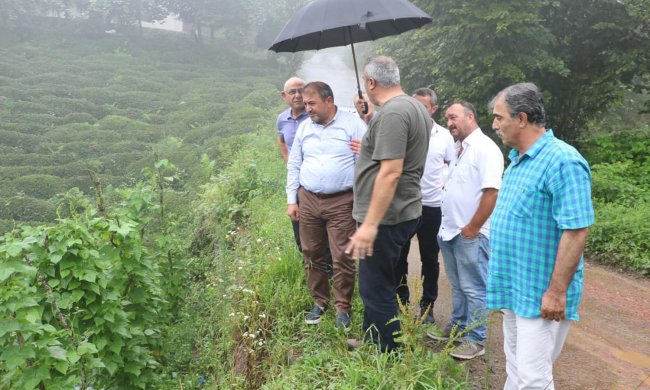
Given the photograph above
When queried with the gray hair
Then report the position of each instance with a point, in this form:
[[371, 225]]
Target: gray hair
[[526, 98], [383, 70], [427, 92]]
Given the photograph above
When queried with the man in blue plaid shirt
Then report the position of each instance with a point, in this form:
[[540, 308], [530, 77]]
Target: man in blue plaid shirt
[[539, 227]]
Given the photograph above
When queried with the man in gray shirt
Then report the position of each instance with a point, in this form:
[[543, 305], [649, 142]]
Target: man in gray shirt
[[387, 197], [320, 174]]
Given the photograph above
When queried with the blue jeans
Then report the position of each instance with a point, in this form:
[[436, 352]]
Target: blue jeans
[[378, 280], [466, 264]]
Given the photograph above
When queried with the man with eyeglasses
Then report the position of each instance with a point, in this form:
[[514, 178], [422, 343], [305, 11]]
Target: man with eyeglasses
[[288, 122], [290, 118]]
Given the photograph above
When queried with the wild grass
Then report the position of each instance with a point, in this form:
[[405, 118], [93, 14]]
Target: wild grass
[[243, 319]]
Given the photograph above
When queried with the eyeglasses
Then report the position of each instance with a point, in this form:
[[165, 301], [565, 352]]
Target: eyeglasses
[[294, 91]]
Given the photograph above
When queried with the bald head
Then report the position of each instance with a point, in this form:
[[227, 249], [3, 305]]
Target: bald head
[[292, 82], [292, 94]]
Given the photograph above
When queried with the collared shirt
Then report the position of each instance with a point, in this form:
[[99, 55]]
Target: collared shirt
[[479, 167], [288, 125], [545, 191], [441, 149], [321, 160]]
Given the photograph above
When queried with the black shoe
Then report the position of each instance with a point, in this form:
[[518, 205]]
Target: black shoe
[[343, 320], [314, 315]]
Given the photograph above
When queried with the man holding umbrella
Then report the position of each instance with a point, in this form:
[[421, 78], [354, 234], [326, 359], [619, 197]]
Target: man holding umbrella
[[387, 197]]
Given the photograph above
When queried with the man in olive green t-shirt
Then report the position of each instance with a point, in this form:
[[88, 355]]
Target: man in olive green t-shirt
[[387, 197]]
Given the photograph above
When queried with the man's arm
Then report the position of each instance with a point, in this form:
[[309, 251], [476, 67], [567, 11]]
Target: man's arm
[[483, 212], [284, 151], [569, 252], [383, 191], [294, 163]]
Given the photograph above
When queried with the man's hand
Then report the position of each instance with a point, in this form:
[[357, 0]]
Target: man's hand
[[358, 105], [469, 232], [293, 212], [355, 146], [554, 305], [362, 242]]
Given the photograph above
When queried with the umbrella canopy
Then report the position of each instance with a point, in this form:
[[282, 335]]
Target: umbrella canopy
[[328, 23]]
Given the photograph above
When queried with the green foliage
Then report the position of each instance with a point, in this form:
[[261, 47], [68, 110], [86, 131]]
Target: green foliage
[[580, 53], [71, 103], [620, 236], [242, 319], [624, 183], [616, 146], [83, 301], [40, 186], [80, 306], [621, 192]]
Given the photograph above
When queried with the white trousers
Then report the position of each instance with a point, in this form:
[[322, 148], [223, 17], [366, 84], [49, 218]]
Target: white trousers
[[531, 346]]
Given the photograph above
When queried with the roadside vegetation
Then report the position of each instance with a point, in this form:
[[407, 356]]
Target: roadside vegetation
[[620, 163], [145, 238]]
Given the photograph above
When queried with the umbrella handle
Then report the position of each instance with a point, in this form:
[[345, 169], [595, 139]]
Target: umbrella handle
[[364, 104]]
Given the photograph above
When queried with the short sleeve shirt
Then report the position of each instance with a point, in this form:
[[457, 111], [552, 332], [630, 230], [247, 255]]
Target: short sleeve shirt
[[400, 131], [441, 149], [288, 125], [544, 192], [479, 166]]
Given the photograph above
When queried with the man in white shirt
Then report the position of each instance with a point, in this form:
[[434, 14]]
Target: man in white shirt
[[441, 152], [468, 199]]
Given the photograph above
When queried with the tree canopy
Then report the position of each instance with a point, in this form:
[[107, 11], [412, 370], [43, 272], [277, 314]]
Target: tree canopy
[[584, 54]]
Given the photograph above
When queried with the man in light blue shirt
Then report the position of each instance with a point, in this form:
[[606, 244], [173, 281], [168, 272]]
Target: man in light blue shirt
[[320, 175]]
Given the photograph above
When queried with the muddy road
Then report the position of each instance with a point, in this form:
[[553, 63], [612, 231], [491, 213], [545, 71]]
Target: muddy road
[[609, 348]]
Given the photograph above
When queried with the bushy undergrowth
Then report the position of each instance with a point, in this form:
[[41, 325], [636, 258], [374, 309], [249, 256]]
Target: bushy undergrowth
[[83, 302], [621, 191], [242, 324]]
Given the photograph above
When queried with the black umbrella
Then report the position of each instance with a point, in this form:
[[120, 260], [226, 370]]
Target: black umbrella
[[329, 23]]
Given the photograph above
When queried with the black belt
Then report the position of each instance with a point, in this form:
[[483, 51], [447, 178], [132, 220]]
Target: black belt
[[327, 196]]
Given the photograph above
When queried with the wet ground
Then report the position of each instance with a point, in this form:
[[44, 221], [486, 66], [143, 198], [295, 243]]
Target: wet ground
[[609, 348]]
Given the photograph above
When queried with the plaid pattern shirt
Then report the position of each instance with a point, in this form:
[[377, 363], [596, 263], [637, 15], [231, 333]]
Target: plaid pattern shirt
[[544, 191]]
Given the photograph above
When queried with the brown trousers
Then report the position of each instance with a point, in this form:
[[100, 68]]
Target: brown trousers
[[323, 218]]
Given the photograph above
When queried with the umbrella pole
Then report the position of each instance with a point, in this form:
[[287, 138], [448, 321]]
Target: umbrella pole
[[364, 110]]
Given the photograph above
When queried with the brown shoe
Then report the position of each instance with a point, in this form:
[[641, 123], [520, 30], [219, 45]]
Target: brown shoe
[[353, 344]]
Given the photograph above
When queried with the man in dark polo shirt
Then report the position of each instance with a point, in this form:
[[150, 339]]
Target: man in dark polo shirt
[[387, 197]]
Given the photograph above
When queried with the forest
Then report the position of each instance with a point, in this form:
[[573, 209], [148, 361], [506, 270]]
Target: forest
[[145, 242]]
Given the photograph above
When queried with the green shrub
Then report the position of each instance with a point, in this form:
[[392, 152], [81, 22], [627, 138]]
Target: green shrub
[[621, 183], [26, 208], [620, 236], [78, 117], [25, 142], [617, 146], [40, 186]]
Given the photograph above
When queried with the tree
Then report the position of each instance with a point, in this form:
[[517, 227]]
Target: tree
[[127, 13], [13, 11], [580, 52], [229, 17]]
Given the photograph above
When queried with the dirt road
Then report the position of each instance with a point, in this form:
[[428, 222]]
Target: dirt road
[[609, 348]]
